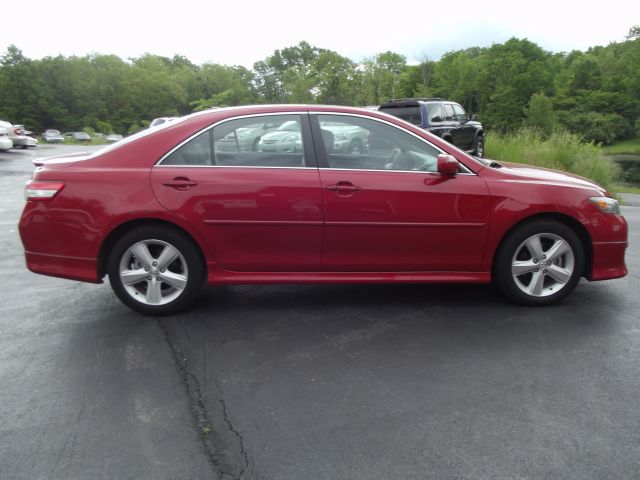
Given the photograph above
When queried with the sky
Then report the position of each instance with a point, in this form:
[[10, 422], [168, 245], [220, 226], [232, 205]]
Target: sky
[[242, 32]]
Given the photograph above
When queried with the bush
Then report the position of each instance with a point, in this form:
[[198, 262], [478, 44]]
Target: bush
[[630, 166], [137, 127], [595, 126], [560, 151], [104, 127]]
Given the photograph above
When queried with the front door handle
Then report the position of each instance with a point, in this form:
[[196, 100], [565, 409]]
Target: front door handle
[[344, 188], [180, 183]]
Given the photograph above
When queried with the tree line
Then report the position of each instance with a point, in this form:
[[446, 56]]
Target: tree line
[[594, 93]]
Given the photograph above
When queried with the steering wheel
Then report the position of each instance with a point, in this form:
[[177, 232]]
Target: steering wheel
[[399, 160], [391, 159]]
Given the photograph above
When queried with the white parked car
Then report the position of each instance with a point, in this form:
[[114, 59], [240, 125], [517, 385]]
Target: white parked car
[[17, 135], [31, 140], [161, 120], [349, 139], [113, 137], [5, 142], [286, 138]]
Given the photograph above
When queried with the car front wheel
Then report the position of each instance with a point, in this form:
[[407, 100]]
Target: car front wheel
[[156, 270], [539, 263], [478, 150]]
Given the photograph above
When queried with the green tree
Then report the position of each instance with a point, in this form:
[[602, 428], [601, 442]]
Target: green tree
[[539, 113]]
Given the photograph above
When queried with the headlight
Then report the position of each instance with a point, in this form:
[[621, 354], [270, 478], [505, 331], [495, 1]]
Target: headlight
[[606, 204]]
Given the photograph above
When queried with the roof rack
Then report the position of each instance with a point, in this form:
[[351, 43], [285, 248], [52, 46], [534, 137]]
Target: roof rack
[[395, 100]]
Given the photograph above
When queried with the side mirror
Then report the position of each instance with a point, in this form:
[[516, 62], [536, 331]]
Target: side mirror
[[473, 117], [448, 165]]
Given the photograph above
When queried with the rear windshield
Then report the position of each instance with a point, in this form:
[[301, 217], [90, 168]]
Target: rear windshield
[[410, 114]]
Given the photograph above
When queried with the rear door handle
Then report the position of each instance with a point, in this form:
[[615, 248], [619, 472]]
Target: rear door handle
[[180, 183]]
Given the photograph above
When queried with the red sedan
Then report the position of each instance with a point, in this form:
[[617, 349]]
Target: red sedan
[[161, 211]]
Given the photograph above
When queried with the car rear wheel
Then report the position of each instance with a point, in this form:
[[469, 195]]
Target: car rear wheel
[[540, 263], [156, 270]]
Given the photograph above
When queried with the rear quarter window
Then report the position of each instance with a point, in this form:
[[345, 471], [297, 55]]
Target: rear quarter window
[[409, 114]]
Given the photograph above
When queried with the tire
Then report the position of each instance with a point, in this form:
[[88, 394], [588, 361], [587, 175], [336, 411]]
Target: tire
[[355, 147], [539, 263], [478, 149], [156, 270]]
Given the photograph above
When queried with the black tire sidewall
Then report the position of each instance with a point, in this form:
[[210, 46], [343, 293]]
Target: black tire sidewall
[[479, 141], [502, 270], [184, 244]]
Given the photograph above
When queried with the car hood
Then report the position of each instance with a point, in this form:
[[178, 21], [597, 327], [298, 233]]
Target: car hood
[[516, 172]]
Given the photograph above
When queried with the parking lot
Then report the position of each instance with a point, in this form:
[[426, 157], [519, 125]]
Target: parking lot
[[313, 382]]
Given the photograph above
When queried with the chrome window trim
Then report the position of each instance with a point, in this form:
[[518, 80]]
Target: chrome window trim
[[468, 172], [235, 166], [220, 122], [302, 112], [389, 171]]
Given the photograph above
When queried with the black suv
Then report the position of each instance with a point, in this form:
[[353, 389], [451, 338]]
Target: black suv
[[445, 119]]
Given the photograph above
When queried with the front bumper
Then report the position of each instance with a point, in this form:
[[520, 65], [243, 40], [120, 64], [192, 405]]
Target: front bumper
[[608, 261]]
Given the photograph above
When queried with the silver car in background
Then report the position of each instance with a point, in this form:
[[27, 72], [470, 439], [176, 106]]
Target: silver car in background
[[52, 136]]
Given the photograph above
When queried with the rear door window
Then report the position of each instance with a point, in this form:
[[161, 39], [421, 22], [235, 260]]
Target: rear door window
[[265, 141], [434, 110]]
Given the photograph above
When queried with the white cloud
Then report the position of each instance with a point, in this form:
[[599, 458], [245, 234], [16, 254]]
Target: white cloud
[[243, 32]]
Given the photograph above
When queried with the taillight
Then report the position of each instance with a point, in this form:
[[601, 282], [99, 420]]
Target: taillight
[[39, 190]]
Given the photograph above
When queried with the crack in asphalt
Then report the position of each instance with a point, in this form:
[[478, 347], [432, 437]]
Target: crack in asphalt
[[196, 400], [233, 430], [202, 418]]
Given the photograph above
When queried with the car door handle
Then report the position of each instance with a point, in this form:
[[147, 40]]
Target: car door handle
[[180, 183], [344, 188]]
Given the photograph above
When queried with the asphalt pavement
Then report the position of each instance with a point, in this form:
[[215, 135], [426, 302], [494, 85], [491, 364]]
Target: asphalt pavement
[[314, 382]]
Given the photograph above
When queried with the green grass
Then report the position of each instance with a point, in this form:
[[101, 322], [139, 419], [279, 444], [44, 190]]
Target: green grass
[[94, 141], [560, 151], [631, 146], [622, 188]]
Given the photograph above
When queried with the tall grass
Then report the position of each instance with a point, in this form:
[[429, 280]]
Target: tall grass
[[630, 146], [560, 151]]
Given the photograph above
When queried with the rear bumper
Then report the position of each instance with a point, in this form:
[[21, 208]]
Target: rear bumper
[[608, 261], [74, 268], [20, 141]]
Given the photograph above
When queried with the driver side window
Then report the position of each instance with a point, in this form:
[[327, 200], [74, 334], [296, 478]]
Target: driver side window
[[364, 144]]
